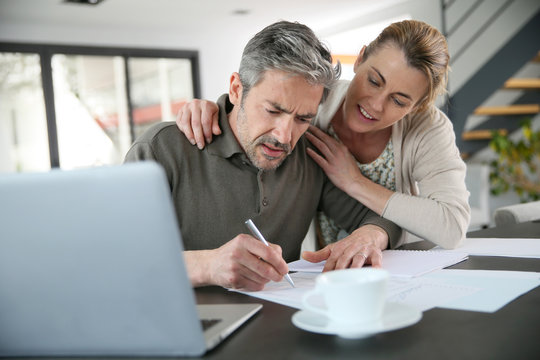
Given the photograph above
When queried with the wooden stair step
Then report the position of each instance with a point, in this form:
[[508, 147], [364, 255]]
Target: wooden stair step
[[481, 134], [537, 57], [508, 110], [522, 84]]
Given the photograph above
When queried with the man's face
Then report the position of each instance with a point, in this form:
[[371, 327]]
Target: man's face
[[272, 117]]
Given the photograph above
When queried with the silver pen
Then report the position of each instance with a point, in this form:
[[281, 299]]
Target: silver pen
[[251, 226]]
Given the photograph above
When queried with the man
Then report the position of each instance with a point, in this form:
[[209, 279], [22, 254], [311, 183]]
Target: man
[[258, 168]]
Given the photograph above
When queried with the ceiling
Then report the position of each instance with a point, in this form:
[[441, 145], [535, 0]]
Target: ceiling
[[234, 17]]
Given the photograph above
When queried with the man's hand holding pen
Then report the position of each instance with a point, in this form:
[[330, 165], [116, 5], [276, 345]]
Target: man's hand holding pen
[[243, 263]]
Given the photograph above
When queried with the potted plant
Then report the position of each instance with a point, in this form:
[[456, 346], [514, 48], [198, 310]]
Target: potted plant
[[517, 166]]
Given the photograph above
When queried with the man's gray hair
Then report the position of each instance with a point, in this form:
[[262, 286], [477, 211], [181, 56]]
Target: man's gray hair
[[290, 47]]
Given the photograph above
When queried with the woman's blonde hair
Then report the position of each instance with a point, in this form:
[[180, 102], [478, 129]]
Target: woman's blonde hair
[[425, 49]]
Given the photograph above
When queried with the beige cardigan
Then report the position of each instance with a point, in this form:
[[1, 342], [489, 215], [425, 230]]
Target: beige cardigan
[[431, 200]]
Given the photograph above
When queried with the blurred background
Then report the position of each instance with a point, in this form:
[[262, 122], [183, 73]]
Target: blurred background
[[80, 80]]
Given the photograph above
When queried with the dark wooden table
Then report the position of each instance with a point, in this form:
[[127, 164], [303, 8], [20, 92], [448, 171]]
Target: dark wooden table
[[513, 332]]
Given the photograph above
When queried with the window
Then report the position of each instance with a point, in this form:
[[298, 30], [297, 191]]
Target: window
[[24, 144], [70, 107], [159, 87]]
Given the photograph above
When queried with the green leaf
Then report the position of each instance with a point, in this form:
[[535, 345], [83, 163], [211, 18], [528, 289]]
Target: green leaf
[[517, 164]]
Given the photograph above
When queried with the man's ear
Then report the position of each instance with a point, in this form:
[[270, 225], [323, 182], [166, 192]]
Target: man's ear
[[235, 89], [359, 58]]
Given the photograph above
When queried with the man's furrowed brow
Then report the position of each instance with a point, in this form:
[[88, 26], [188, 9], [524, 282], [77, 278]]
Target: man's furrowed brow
[[280, 108], [286, 111]]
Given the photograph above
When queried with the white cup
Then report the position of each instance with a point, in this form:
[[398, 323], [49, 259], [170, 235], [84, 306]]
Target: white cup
[[351, 296]]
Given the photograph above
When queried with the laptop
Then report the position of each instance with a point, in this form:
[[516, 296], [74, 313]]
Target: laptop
[[91, 264]]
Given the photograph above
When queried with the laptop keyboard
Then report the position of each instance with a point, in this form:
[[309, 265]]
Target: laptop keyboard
[[208, 323]]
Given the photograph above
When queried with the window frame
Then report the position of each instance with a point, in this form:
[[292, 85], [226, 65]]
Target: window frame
[[47, 51]]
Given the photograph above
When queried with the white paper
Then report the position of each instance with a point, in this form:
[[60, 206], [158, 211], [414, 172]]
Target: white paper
[[424, 294], [529, 248], [406, 263], [497, 288], [474, 290], [283, 293], [306, 266], [420, 293]]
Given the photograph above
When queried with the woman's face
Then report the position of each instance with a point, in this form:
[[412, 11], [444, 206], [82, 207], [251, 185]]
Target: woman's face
[[384, 89]]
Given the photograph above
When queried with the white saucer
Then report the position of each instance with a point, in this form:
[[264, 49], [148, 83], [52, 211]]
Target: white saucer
[[395, 316]]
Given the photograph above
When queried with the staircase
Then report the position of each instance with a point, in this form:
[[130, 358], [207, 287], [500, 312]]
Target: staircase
[[504, 118], [496, 95]]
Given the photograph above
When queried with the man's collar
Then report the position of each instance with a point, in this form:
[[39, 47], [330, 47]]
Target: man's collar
[[224, 145]]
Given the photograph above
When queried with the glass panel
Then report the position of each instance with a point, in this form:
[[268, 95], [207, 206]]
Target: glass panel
[[91, 110], [24, 145], [159, 87]]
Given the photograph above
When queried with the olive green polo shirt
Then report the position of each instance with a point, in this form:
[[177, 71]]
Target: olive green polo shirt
[[217, 189]]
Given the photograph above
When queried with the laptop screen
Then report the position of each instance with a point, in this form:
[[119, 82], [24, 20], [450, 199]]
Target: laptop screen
[[91, 264]]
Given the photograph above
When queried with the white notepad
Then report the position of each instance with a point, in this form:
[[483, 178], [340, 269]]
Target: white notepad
[[407, 263]]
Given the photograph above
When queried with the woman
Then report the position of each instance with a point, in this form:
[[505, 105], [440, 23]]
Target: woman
[[387, 145]]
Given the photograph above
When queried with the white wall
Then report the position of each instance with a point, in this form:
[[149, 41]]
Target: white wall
[[216, 59], [219, 46]]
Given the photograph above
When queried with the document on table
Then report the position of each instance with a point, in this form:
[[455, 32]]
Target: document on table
[[496, 288], [528, 248], [420, 293], [475, 290], [282, 292], [407, 263]]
